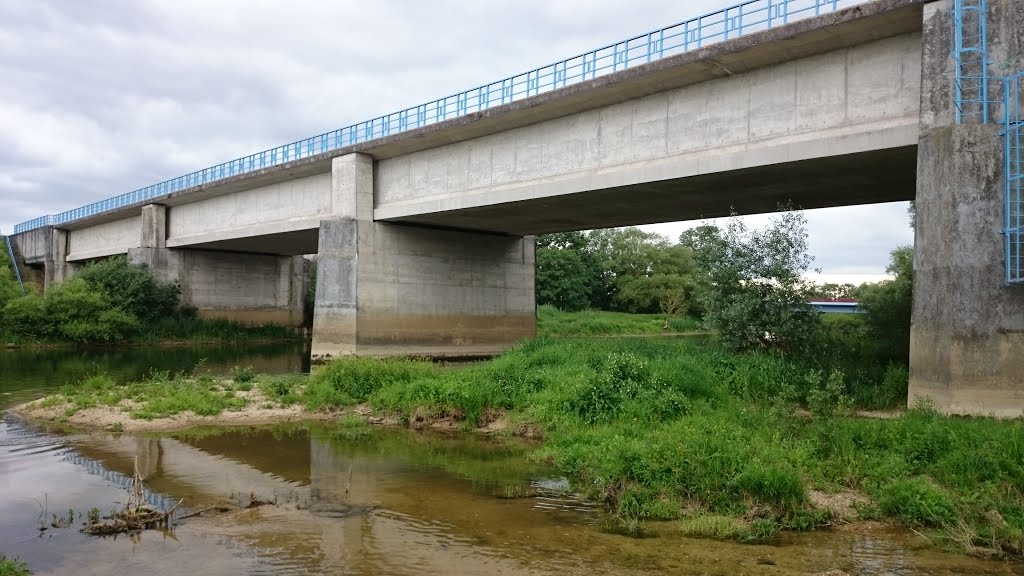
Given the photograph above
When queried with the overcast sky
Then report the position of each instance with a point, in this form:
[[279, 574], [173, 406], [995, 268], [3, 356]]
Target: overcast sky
[[102, 97]]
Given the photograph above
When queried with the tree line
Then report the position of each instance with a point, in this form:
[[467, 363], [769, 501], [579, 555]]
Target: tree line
[[749, 285]]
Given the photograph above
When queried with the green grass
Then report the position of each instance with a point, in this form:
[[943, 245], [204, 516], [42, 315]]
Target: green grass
[[553, 322], [13, 567], [684, 430], [157, 396], [667, 429]]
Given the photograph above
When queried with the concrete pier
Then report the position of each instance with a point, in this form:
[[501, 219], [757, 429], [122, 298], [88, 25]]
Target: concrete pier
[[967, 335], [242, 287], [389, 289]]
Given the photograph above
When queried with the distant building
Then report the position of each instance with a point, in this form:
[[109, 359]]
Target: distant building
[[838, 306]]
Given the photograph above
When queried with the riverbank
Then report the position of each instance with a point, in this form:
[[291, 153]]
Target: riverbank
[[724, 445]]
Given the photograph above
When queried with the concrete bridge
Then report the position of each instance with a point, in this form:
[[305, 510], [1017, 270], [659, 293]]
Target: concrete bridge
[[424, 234]]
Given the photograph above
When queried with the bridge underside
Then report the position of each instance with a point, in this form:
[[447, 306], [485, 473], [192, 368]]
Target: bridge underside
[[863, 178], [292, 243]]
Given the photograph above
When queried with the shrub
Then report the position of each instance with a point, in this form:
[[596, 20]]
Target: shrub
[[889, 303], [774, 485], [346, 381], [9, 288], [242, 375], [69, 311], [132, 288], [26, 315], [827, 397], [917, 502], [753, 290]]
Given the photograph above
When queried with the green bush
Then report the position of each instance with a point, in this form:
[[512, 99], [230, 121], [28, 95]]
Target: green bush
[[9, 288], [889, 303], [132, 288], [26, 316], [774, 485], [70, 311], [917, 502], [242, 375], [827, 397], [752, 287], [352, 380], [111, 301]]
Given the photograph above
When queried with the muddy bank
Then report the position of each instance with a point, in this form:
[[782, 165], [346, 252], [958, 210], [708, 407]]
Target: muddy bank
[[258, 410]]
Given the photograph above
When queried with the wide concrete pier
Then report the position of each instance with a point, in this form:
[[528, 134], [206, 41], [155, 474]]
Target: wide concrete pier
[[967, 334]]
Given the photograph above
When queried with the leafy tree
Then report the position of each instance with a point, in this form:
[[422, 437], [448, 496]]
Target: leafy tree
[[665, 293], [567, 272], [753, 289], [628, 258], [888, 304], [832, 291], [131, 288]]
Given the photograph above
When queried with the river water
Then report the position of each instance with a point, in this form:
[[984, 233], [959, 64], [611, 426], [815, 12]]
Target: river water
[[352, 501]]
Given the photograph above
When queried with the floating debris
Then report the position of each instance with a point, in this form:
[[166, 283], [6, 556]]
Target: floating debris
[[136, 515]]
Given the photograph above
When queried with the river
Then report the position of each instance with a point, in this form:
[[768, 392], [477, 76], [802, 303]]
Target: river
[[351, 500]]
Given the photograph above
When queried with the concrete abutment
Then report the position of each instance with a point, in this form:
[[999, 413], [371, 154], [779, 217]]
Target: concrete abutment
[[391, 289]]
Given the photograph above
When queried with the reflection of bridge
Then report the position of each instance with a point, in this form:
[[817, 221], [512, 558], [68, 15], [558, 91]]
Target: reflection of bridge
[[422, 220], [414, 523]]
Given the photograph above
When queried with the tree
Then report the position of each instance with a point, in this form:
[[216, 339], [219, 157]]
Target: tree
[[567, 272], [832, 291], [752, 285], [131, 287], [629, 259], [652, 294], [889, 303]]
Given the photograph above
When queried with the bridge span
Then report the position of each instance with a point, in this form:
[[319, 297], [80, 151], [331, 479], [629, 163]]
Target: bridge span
[[423, 220]]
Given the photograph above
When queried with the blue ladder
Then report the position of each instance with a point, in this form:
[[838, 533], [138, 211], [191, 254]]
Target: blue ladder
[[970, 52], [14, 262]]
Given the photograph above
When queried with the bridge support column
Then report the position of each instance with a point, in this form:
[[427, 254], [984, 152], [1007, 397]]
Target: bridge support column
[[967, 334], [56, 267], [389, 289], [242, 287]]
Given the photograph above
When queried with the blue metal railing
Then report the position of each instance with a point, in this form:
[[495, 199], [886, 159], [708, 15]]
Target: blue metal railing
[[1014, 209], [14, 263], [731, 22]]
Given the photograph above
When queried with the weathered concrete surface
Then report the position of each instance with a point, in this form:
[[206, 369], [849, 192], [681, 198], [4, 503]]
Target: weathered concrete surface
[[967, 338], [967, 334], [107, 239], [242, 287], [654, 158], [34, 245], [57, 268], [246, 288], [401, 290], [283, 208]]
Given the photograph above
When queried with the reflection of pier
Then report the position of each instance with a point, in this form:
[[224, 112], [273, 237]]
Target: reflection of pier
[[366, 512], [182, 471]]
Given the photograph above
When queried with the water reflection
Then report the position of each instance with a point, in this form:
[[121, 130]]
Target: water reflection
[[377, 502], [26, 374]]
